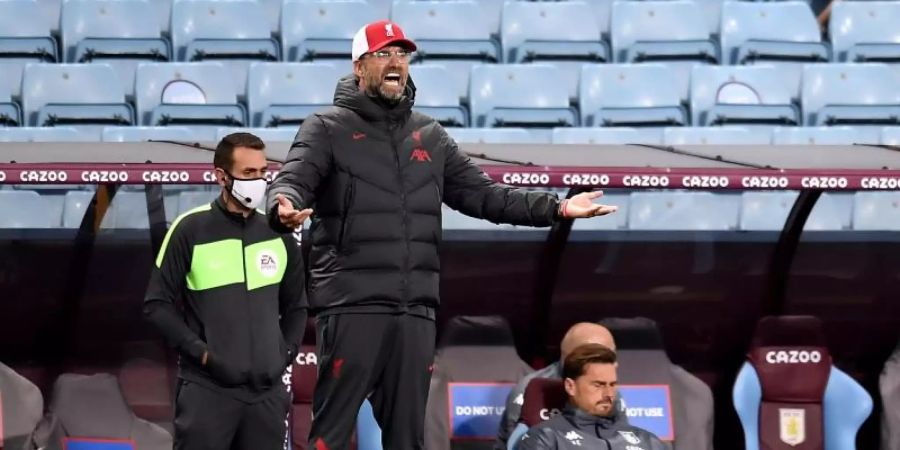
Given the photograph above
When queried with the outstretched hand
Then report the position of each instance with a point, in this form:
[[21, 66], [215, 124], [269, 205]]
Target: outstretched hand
[[290, 216], [582, 206]]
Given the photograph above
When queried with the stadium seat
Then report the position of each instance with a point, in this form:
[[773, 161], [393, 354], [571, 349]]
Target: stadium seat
[[543, 398], [625, 95], [128, 210], [32, 210], [890, 136], [141, 134], [876, 211], [650, 31], [789, 393], [865, 31], [765, 211], [147, 382], [517, 95], [714, 136], [21, 407], [607, 136], [833, 212], [457, 383], [9, 111], [754, 32], [322, 29], [11, 77], [563, 33], [74, 207], [454, 34], [25, 32], [235, 32], [113, 32], [74, 94], [189, 200], [495, 136], [86, 408], [858, 94], [616, 221], [186, 94], [270, 136], [435, 97], [889, 387], [284, 94], [681, 211], [726, 95], [816, 136]]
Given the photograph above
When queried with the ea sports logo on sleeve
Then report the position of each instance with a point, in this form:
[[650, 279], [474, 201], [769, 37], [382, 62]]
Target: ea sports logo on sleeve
[[793, 357], [267, 263]]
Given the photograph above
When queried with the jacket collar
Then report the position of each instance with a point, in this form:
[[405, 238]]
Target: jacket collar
[[347, 95], [239, 218]]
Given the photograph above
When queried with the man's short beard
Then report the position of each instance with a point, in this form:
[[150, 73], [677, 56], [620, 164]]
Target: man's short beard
[[379, 93]]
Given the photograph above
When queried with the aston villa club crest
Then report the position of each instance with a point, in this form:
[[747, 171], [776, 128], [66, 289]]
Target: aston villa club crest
[[793, 426], [630, 437]]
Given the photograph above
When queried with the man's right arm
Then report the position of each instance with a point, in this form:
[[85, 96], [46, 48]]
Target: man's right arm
[[167, 282], [308, 163], [511, 415]]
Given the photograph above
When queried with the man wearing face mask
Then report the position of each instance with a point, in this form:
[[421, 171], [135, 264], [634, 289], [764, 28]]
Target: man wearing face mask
[[228, 293], [376, 173]]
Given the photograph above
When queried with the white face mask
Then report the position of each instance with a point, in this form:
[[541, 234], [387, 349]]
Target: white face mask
[[249, 192]]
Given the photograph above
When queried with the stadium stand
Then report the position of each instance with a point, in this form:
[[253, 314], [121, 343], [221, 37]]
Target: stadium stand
[[496, 99], [865, 31], [735, 95], [284, 94], [317, 30], [626, 95], [79, 95], [435, 97]]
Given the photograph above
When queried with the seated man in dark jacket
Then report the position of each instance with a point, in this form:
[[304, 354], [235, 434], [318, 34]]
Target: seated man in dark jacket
[[590, 420]]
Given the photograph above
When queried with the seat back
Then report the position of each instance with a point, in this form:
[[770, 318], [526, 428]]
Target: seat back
[[32, 210], [208, 78], [21, 407], [854, 93], [24, 19], [654, 22], [746, 94], [876, 210], [561, 23], [517, 95], [788, 395], [628, 87], [322, 29], [543, 399], [297, 89], [460, 390], [853, 26], [106, 19], [681, 211], [210, 19], [458, 21], [74, 86], [787, 21]]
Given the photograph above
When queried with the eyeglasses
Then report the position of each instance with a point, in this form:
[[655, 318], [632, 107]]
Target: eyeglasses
[[384, 55]]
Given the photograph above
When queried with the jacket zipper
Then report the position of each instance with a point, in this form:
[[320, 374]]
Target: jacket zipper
[[348, 201], [404, 225], [247, 302]]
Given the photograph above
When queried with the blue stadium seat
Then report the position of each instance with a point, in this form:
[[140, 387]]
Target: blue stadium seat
[[765, 211], [435, 97], [186, 94], [31, 210], [141, 134], [74, 207], [282, 137], [650, 31], [455, 34], [517, 95], [284, 94], [45, 134], [816, 136], [25, 32], [113, 32], [682, 211], [608, 136], [495, 136], [564, 33], [890, 136], [859, 94], [629, 95], [831, 213], [762, 31], [128, 210], [714, 136], [723, 95], [11, 77], [233, 31], [191, 199], [876, 211], [322, 29], [76, 94], [865, 31], [9, 111]]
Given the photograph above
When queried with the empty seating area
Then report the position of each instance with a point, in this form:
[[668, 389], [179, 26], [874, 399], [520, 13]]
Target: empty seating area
[[206, 64]]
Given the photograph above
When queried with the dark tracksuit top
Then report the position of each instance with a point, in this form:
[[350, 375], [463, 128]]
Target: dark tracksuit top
[[576, 430], [243, 299]]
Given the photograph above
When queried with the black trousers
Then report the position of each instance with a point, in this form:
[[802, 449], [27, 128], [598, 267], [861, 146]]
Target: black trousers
[[210, 420], [383, 357]]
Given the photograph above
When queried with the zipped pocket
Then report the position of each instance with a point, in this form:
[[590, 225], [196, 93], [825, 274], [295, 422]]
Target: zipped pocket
[[349, 193]]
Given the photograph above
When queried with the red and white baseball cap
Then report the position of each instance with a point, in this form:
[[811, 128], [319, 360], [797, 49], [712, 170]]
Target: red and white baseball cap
[[377, 35]]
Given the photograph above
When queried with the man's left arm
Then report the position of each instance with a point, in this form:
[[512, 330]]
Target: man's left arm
[[468, 190], [292, 300]]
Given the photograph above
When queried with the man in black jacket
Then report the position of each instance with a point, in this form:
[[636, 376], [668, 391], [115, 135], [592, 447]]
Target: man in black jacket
[[590, 420], [376, 173], [227, 292]]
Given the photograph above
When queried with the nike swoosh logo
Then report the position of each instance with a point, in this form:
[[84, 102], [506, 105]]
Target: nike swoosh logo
[[358, 136]]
